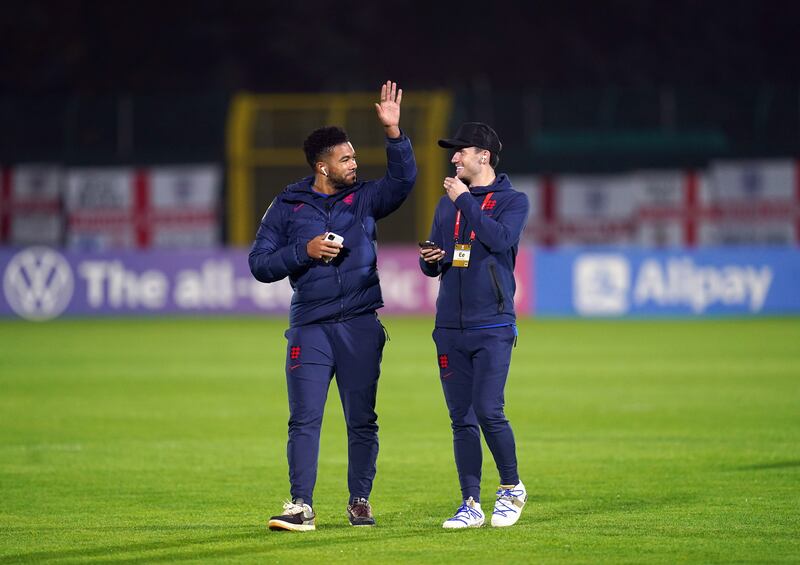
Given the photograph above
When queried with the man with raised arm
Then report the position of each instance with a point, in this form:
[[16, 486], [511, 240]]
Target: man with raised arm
[[321, 233]]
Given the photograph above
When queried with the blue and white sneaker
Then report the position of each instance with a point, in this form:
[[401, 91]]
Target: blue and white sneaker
[[468, 515], [509, 504]]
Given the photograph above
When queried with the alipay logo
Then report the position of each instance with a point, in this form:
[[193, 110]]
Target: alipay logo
[[680, 282], [601, 284], [38, 283]]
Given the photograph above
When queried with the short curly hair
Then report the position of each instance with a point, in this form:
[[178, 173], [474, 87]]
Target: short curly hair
[[321, 141]]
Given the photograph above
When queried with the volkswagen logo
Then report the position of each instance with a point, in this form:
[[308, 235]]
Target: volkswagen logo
[[38, 283]]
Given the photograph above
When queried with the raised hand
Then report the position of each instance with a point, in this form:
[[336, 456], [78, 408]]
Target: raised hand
[[389, 108]]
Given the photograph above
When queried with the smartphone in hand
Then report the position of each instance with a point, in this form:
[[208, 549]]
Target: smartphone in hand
[[336, 238]]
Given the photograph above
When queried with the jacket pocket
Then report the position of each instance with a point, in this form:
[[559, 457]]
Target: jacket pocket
[[498, 291]]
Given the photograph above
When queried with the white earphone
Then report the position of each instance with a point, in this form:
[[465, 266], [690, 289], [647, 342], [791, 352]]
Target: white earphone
[[324, 171]]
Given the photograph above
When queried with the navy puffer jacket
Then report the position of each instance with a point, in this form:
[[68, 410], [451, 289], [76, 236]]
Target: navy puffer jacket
[[483, 293], [347, 286]]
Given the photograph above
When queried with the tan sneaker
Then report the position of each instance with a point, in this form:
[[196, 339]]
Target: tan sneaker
[[297, 517]]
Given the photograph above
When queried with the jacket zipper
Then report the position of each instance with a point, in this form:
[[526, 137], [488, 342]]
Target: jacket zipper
[[460, 287], [329, 209], [460, 301], [498, 292]]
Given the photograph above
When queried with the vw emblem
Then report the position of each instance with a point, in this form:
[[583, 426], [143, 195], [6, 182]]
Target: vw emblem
[[38, 283]]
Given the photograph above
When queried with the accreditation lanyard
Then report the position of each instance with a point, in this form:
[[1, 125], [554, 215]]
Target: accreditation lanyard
[[458, 220]]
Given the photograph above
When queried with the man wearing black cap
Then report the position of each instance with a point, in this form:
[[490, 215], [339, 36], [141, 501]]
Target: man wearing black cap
[[473, 248]]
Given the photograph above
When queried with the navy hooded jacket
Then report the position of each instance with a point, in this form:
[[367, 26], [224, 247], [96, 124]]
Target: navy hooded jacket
[[481, 294], [348, 285]]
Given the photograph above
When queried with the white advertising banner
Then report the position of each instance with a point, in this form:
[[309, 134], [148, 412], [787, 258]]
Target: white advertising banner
[[750, 202], [745, 181], [101, 190], [33, 205], [733, 203], [100, 208], [754, 232], [142, 208], [185, 202], [604, 197], [595, 209], [532, 186], [185, 187], [659, 202], [659, 190], [36, 183]]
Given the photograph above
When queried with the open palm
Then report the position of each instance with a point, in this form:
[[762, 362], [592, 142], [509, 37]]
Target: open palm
[[389, 107]]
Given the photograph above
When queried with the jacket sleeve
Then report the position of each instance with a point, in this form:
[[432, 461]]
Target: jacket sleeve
[[433, 269], [388, 193], [496, 234], [272, 256]]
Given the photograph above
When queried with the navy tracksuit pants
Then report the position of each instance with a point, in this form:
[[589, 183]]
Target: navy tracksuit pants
[[473, 368], [352, 350]]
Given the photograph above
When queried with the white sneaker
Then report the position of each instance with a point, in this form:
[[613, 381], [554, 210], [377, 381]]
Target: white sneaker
[[468, 515], [509, 504], [297, 517]]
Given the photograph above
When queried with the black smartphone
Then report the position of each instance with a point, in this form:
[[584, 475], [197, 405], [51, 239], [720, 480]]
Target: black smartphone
[[427, 244]]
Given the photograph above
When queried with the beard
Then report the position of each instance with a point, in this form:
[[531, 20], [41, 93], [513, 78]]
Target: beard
[[341, 182]]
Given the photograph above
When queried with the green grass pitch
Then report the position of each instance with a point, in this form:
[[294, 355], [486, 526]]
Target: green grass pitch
[[163, 440]]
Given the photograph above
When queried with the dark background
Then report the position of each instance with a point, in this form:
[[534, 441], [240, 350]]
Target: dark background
[[92, 47], [569, 85]]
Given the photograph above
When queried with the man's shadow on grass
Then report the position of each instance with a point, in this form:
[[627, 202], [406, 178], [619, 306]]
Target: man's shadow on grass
[[771, 465], [253, 540]]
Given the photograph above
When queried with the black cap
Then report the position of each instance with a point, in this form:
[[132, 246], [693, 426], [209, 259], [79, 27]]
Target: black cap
[[474, 134]]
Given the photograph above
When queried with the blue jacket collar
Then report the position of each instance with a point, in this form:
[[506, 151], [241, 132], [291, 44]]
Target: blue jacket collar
[[303, 191]]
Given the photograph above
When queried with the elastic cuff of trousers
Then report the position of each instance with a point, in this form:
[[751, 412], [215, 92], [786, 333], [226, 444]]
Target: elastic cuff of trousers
[[476, 496]]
